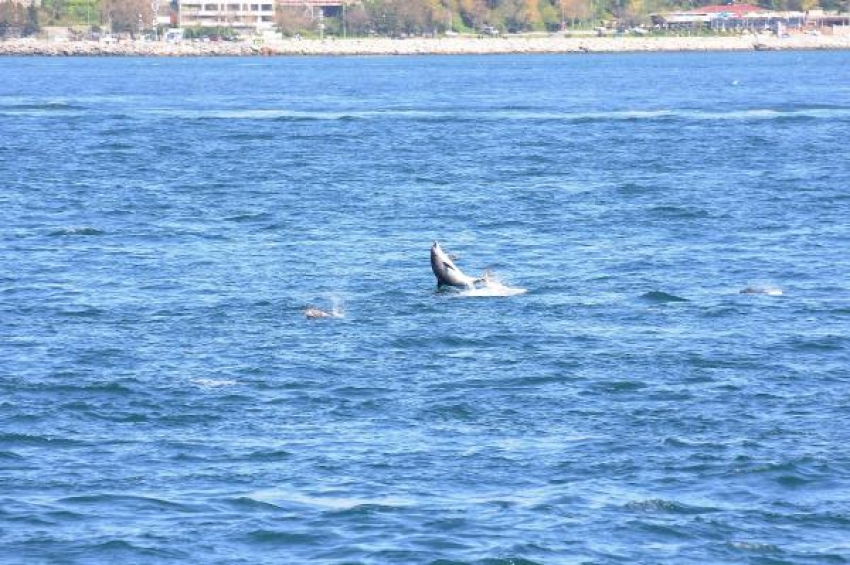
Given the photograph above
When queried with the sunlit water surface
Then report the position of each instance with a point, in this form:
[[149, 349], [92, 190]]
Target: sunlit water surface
[[164, 224]]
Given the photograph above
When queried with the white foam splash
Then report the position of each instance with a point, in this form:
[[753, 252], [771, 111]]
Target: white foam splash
[[337, 307], [337, 310], [493, 287], [213, 383], [766, 289]]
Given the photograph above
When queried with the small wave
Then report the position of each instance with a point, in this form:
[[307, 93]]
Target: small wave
[[276, 115], [755, 547], [321, 116], [83, 311], [660, 297], [619, 386], [136, 502], [76, 230], [251, 504], [269, 455], [681, 442], [661, 505], [824, 343], [113, 146], [56, 108], [123, 550], [506, 114], [59, 516], [248, 217], [510, 561], [334, 503], [213, 383], [43, 105], [30, 439], [759, 114], [114, 545], [91, 388], [679, 212], [663, 115], [250, 136], [793, 481], [285, 538]]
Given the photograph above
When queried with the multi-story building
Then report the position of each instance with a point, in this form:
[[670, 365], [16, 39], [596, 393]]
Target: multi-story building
[[247, 15], [256, 15]]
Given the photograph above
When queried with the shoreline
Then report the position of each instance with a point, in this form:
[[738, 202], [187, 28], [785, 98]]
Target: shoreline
[[425, 46]]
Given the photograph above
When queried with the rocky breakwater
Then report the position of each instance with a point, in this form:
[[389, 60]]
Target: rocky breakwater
[[27, 47], [427, 46], [550, 44]]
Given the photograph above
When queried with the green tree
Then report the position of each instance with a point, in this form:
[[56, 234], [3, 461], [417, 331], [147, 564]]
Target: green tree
[[55, 8], [10, 17], [550, 15], [83, 10], [473, 13], [32, 26]]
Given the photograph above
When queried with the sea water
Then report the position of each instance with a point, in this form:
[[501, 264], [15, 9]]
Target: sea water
[[165, 223]]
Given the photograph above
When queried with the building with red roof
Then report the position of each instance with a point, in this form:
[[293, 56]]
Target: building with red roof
[[733, 10]]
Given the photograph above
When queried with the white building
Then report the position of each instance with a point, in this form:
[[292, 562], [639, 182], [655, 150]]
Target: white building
[[248, 16]]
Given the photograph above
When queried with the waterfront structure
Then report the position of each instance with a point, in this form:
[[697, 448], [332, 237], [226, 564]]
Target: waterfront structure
[[830, 22], [252, 15], [313, 6], [245, 15], [730, 17]]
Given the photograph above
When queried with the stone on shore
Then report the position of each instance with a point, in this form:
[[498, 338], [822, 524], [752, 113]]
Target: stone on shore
[[424, 46]]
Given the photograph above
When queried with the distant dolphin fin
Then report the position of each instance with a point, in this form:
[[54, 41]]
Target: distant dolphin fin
[[449, 266]]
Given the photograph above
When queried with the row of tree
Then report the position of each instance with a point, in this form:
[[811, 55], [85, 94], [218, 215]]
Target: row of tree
[[385, 17], [113, 15], [18, 18], [413, 17]]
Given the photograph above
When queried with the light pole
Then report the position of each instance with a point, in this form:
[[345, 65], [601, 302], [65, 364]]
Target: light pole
[[321, 23], [563, 18], [155, 10], [592, 14]]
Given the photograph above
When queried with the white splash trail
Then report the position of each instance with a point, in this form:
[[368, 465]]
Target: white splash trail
[[493, 287]]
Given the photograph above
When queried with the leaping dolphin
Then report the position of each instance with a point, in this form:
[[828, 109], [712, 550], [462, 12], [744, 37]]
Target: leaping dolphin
[[447, 272]]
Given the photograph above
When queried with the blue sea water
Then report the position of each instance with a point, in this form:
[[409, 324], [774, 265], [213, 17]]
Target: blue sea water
[[164, 223]]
